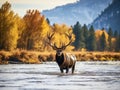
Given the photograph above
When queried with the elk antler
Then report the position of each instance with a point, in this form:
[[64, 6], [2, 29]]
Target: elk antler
[[70, 40], [50, 36], [63, 46]]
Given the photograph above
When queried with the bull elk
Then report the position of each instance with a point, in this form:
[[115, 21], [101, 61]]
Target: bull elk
[[64, 60]]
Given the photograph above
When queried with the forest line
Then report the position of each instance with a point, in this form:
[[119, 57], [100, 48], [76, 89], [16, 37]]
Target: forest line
[[30, 33]]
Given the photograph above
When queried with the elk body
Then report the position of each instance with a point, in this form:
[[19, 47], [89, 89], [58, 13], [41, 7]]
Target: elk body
[[64, 60]]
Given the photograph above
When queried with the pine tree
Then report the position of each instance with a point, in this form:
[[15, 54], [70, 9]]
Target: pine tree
[[85, 35], [92, 40], [82, 39], [119, 42], [116, 36], [110, 33], [116, 33], [76, 31], [103, 43], [8, 27], [117, 47], [48, 21]]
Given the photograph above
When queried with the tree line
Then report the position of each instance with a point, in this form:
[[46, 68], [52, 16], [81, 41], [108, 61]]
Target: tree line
[[99, 40], [30, 33]]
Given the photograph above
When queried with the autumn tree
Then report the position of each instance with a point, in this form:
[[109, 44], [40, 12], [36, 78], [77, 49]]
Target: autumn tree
[[100, 38], [8, 28], [21, 28], [36, 28]]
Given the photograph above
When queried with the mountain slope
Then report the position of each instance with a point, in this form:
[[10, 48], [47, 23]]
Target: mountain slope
[[84, 11], [109, 18]]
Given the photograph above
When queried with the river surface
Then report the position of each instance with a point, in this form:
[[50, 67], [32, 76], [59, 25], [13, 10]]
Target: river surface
[[46, 76]]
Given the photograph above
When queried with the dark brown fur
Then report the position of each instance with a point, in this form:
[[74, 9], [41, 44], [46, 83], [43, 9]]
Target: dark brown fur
[[65, 62]]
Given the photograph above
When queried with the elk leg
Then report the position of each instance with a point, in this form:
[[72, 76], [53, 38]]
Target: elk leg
[[67, 69], [73, 68], [61, 69]]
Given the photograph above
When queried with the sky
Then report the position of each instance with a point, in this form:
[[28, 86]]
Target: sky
[[21, 6]]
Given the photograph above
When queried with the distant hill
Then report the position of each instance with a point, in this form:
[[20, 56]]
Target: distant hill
[[110, 17], [84, 11]]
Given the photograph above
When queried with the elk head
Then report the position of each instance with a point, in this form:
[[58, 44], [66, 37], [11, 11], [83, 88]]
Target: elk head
[[63, 45]]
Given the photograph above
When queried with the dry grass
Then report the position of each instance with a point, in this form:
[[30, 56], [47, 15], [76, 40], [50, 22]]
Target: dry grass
[[31, 57], [97, 56]]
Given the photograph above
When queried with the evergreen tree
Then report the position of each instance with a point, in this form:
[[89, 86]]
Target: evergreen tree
[[85, 31], [48, 21], [76, 31], [8, 27], [103, 29], [118, 44], [103, 44], [85, 35], [117, 47], [110, 33], [82, 40], [116, 36], [91, 40], [116, 33]]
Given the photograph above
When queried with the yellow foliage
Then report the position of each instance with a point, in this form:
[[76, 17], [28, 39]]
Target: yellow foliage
[[35, 31], [83, 50], [98, 34], [113, 43], [69, 48], [8, 28], [113, 40], [60, 38]]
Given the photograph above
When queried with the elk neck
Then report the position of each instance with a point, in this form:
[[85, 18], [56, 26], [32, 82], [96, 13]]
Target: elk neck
[[59, 58]]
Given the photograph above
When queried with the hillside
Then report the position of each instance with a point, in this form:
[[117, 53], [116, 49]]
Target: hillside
[[84, 11], [110, 17]]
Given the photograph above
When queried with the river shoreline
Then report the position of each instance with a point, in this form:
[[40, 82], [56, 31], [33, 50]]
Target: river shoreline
[[34, 57]]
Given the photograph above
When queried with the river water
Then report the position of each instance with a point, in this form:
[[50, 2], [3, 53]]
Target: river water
[[46, 76]]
